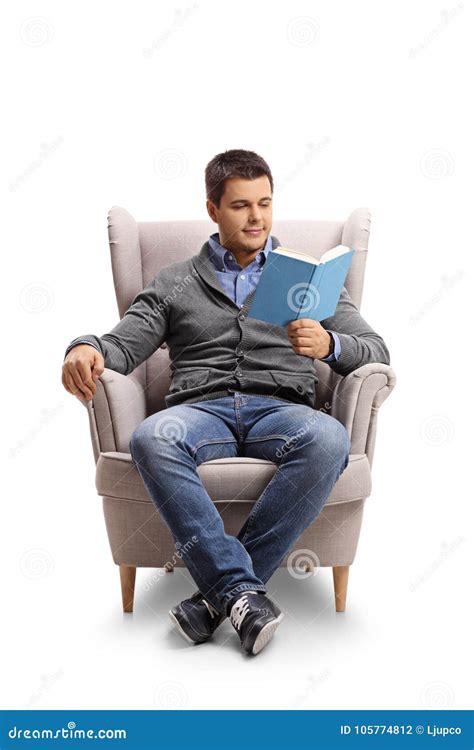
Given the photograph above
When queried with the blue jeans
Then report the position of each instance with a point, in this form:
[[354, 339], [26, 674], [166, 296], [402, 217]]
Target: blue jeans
[[309, 447]]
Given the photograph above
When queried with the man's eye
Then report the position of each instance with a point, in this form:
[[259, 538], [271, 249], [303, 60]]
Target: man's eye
[[263, 205]]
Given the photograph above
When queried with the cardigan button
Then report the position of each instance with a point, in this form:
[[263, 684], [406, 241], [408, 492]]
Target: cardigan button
[[239, 352], [241, 316], [299, 388]]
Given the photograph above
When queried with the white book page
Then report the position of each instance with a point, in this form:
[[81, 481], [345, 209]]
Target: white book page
[[296, 254], [335, 252]]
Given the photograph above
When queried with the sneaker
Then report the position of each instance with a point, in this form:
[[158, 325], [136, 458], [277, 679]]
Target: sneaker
[[195, 618], [255, 618]]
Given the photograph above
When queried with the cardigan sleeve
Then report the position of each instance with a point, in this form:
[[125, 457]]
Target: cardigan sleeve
[[142, 330]]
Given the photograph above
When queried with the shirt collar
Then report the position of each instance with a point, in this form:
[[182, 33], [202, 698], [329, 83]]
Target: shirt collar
[[218, 253]]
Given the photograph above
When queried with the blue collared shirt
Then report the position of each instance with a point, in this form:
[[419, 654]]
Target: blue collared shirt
[[238, 282]]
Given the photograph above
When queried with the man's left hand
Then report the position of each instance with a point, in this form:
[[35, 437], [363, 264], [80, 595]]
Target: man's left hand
[[309, 338]]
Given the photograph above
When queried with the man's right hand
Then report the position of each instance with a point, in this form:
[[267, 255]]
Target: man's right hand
[[81, 368]]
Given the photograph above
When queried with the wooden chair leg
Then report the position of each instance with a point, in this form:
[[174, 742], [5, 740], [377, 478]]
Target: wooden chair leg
[[169, 567], [127, 581], [340, 574]]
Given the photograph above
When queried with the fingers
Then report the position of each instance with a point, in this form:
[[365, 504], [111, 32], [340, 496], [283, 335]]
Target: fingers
[[74, 382], [83, 378], [98, 367], [305, 334], [301, 340], [81, 369], [70, 385]]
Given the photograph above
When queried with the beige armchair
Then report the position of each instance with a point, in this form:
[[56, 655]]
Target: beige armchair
[[137, 535]]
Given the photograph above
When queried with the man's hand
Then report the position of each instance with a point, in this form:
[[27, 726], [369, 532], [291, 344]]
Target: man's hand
[[309, 338], [81, 368]]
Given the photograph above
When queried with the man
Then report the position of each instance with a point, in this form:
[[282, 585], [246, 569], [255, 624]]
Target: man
[[240, 387]]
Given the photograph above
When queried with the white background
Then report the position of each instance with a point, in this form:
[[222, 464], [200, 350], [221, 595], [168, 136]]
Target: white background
[[363, 104]]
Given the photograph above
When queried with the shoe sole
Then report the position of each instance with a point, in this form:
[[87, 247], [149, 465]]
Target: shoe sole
[[266, 634], [180, 630]]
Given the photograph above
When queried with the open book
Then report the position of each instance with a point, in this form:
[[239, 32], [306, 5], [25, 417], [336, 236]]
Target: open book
[[295, 285]]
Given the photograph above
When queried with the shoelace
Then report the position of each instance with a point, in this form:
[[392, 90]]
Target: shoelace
[[238, 611], [212, 610]]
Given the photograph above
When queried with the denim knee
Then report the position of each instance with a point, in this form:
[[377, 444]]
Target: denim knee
[[335, 439], [140, 435], [339, 442]]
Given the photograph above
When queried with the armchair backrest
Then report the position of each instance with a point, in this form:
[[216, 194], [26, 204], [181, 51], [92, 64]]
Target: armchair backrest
[[140, 249]]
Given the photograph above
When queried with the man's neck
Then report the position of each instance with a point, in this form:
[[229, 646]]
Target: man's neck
[[245, 260]]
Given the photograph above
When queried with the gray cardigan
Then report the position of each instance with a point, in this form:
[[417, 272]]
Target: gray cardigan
[[215, 349]]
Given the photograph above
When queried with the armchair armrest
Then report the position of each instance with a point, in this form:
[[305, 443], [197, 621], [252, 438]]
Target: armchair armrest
[[118, 407], [357, 398]]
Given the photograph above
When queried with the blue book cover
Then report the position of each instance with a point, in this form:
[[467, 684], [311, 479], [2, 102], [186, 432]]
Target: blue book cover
[[294, 285]]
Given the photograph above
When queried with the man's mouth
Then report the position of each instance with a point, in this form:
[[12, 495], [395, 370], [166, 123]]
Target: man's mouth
[[254, 232]]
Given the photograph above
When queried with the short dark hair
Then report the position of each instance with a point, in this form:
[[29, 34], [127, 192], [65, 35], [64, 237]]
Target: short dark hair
[[233, 163]]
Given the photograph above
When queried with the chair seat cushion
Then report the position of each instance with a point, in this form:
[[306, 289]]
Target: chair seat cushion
[[226, 479]]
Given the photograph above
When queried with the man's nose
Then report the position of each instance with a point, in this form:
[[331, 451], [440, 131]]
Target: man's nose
[[255, 214]]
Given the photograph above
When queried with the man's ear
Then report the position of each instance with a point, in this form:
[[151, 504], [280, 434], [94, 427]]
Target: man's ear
[[211, 210]]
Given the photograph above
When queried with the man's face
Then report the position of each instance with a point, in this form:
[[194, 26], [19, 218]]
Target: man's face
[[245, 204]]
